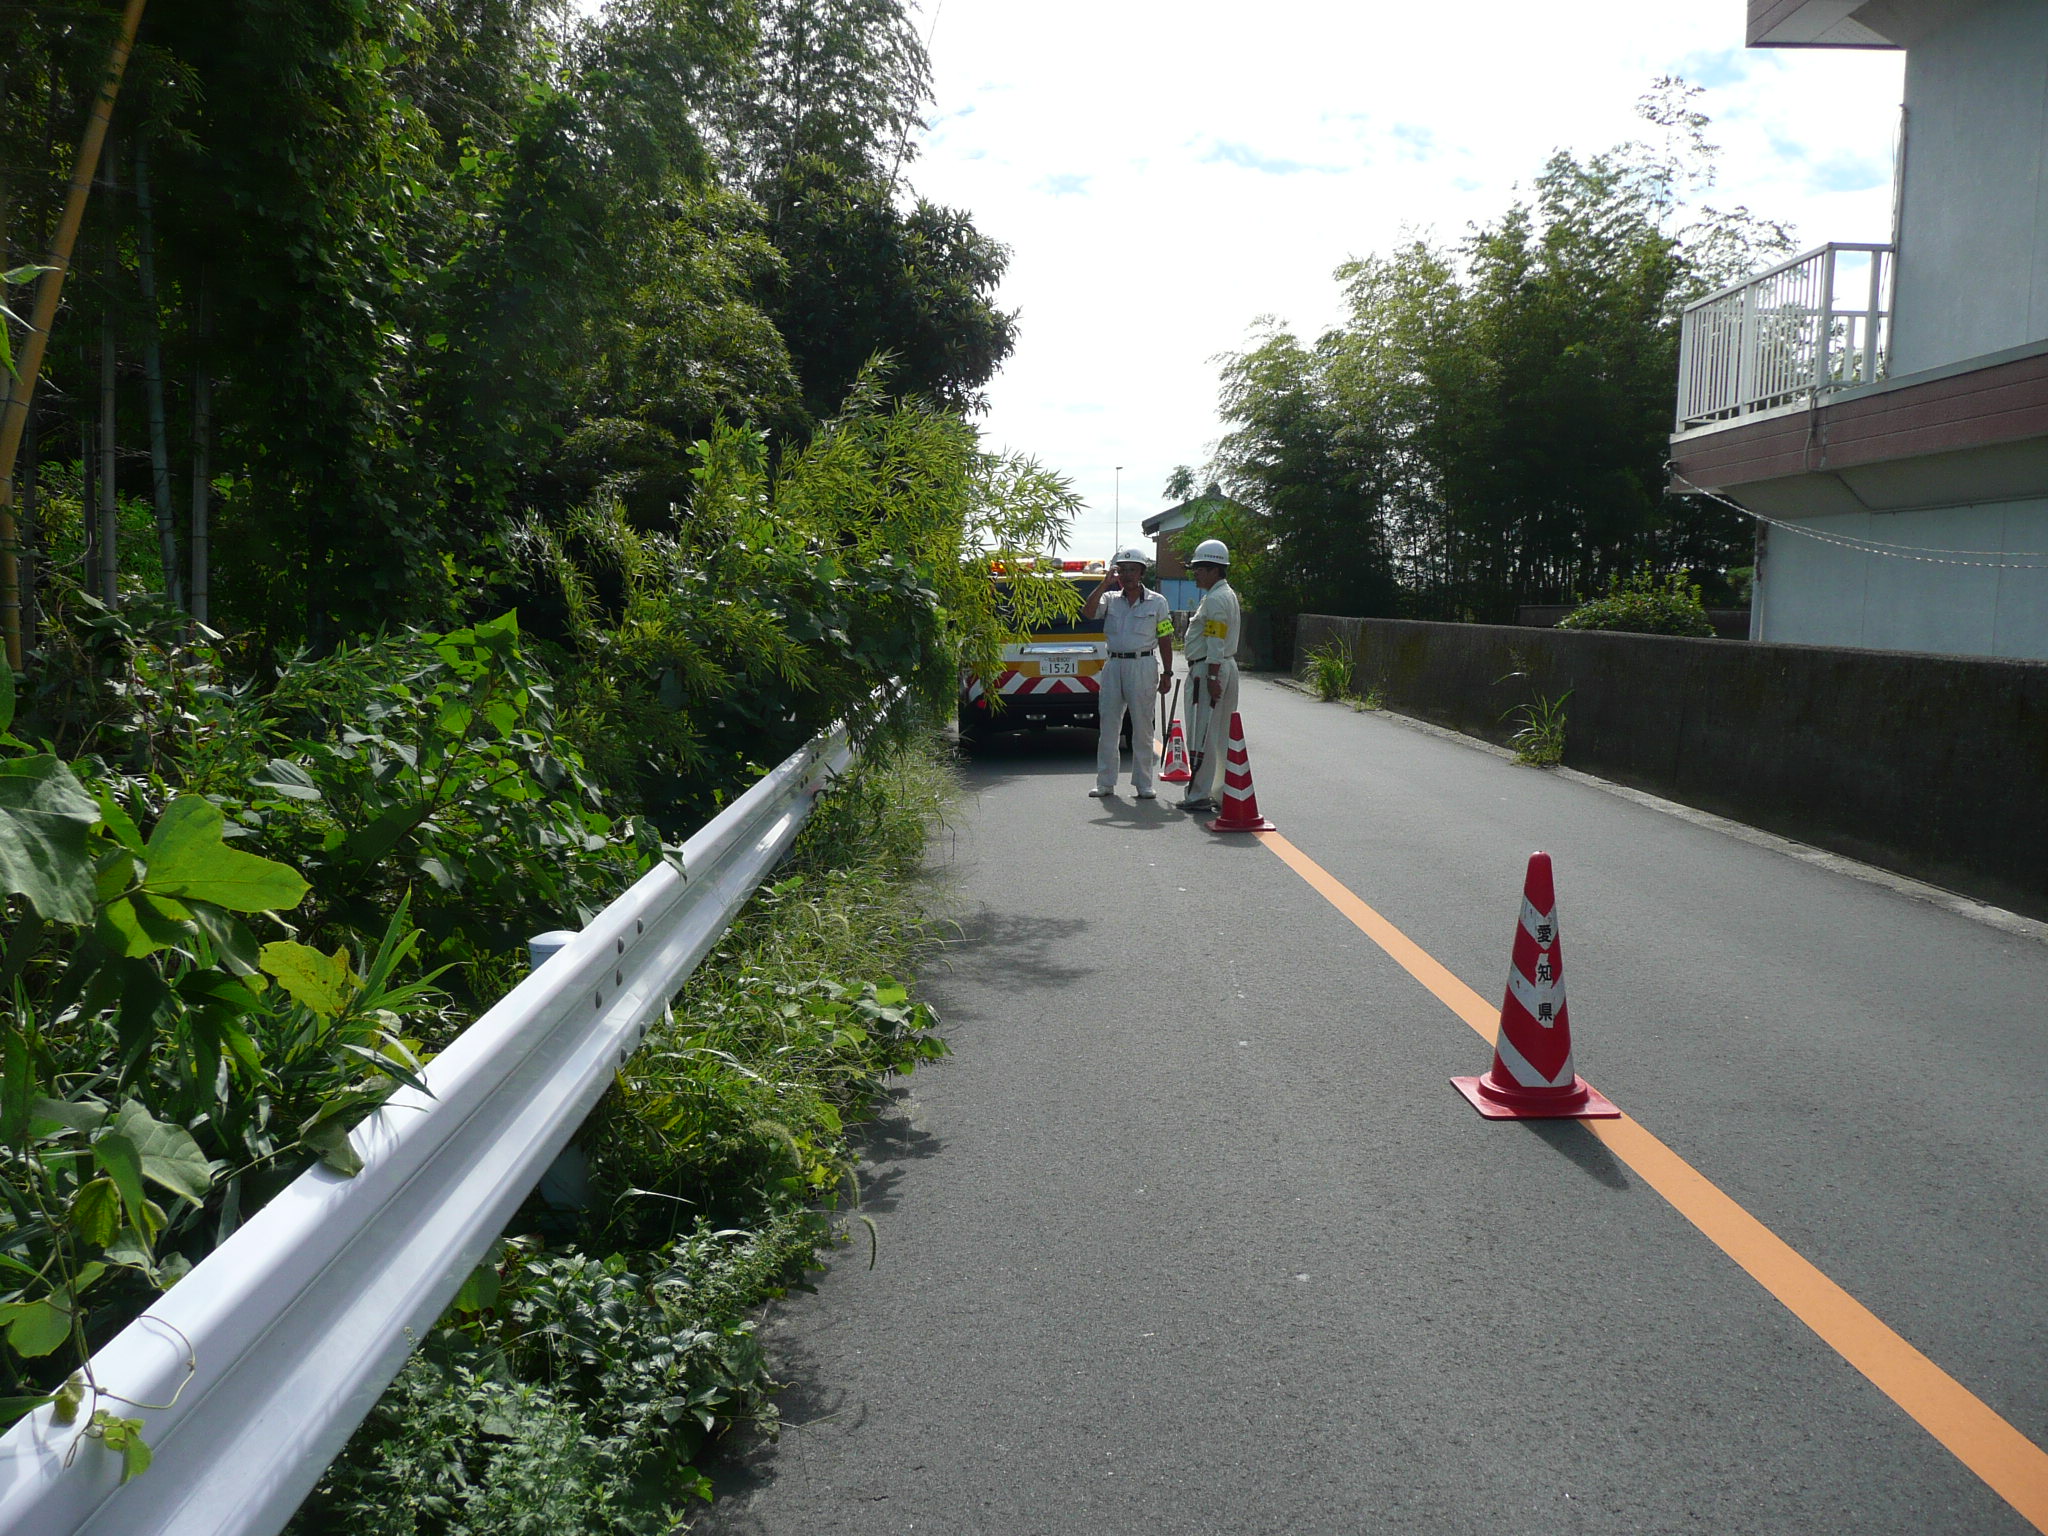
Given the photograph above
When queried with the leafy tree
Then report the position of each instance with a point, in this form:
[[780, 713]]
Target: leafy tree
[[1490, 424], [863, 277]]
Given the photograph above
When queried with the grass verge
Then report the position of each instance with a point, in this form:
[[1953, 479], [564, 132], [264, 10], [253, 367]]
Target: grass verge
[[579, 1376]]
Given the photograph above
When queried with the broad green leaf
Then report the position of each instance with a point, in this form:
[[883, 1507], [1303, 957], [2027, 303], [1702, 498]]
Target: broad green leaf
[[141, 924], [187, 858], [114, 874], [480, 1290], [119, 822], [371, 843], [171, 1159], [35, 1328], [232, 940], [47, 1115], [319, 982], [329, 1138], [96, 1212], [286, 779], [118, 1156], [131, 1248], [46, 822]]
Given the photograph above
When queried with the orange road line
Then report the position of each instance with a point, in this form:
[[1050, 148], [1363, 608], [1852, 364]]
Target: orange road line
[[2010, 1464]]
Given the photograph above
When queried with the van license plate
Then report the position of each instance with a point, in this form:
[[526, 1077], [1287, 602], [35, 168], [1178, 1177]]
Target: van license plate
[[1059, 666]]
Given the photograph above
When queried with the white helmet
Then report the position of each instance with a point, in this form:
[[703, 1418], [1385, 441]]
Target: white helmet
[[1210, 552], [1130, 554]]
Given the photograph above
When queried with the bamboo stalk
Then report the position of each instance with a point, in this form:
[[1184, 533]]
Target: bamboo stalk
[[153, 378], [202, 445], [110, 505], [21, 389]]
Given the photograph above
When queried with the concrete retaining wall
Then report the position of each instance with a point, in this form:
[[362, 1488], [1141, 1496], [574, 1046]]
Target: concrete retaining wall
[[1934, 766]]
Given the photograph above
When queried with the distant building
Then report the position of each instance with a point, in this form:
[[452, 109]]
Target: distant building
[[1164, 530], [1887, 405]]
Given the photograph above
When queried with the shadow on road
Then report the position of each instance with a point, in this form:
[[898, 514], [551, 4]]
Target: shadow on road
[[1025, 951], [885, 1144], [1581, 1146]]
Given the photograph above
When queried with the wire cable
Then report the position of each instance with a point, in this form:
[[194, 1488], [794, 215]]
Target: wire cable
[[2004, 560]]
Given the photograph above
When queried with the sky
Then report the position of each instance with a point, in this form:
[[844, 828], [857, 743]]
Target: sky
[[1165, 174]]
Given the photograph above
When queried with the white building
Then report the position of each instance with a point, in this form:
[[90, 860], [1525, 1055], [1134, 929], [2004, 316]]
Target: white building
[[1887, 406]]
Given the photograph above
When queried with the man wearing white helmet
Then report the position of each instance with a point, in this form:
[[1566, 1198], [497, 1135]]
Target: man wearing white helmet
[[1213, 632], [1138, 624]]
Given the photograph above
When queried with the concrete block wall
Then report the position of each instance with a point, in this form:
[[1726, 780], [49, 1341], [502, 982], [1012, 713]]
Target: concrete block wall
[[1933, 766]]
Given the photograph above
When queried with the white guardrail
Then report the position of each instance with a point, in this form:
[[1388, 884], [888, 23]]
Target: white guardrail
[[1817, 322], [291, 1329]]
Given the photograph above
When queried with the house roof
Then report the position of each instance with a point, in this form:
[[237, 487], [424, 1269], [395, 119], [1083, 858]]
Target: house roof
[[1179, 515]]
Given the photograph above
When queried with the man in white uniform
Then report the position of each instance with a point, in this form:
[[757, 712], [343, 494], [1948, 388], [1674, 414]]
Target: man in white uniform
[[1138, 624], [1213, 632]]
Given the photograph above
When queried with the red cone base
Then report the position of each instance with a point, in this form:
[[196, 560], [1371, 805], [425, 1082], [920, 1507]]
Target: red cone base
[[1510, 1101]]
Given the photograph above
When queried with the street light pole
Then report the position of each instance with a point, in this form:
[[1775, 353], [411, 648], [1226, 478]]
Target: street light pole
[[1117, 516]]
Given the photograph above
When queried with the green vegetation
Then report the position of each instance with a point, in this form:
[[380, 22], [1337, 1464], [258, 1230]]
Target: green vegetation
[[567, 1394], [420, 273], [1489, 425], [1328, 670], [233, 940], [1538, 736], [479, 440], [1642, 604]]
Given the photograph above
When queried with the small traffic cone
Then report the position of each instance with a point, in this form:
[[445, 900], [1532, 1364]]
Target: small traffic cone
[[1176, 770], [1532, 1077], [1240, 805]]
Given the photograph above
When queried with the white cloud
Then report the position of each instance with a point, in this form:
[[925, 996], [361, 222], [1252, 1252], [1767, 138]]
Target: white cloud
[[1165, 173]]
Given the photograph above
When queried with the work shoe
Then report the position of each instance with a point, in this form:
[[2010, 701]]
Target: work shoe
[[1197, 807], [1146, 794], [1099, 793]]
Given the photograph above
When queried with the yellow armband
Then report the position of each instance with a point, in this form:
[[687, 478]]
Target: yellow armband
[[1165, 628], [1215, 629]]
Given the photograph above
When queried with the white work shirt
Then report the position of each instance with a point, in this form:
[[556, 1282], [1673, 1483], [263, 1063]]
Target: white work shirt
[[1214, 627], [1136, 626]]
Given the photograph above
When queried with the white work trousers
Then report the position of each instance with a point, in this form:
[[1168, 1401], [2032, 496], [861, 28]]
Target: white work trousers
[[1211, 738], [1128, 683]]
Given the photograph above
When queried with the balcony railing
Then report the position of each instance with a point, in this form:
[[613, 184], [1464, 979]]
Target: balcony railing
[[1818, 322]]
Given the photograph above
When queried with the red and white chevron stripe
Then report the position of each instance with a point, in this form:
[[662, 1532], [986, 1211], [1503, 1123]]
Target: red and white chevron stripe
[[1012, 683]]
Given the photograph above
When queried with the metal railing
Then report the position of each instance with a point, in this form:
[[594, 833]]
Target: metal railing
[[1818, 322], [272, 1350]]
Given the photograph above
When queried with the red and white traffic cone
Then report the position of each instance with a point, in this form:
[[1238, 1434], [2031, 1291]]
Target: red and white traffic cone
[[1240, 805], [1176, 770], [1532, 1077]]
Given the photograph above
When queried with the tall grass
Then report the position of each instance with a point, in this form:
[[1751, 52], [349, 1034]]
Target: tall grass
[[1328, 670]]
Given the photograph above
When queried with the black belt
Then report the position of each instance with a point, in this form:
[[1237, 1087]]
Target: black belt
[[1128, 655]]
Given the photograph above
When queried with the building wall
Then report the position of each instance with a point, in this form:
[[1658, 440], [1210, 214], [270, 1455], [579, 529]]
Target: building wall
[[1948, 600], [1973, 238]]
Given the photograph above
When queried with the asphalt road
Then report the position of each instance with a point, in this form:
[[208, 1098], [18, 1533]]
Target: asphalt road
[[1192, 1234]]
